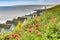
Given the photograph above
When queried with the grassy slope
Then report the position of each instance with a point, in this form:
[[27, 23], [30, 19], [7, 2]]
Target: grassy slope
[[44, 27], [51, 20]]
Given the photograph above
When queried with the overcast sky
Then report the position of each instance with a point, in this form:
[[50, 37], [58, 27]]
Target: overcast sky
[[27, 2]]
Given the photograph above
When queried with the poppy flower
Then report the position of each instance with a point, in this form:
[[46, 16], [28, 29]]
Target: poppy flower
[[35, 28], [39, 33], [36, 31], [0, 34], [4, 38], [16, 35], [30, 26]]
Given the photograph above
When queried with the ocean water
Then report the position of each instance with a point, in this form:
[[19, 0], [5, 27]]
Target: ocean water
[[10, 12]]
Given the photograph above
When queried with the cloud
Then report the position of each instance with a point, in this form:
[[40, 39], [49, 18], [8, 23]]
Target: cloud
[[28, 2], [12, 3]]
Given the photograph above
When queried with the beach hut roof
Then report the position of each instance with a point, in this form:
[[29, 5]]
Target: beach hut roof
[[5, 26], [15, 21]]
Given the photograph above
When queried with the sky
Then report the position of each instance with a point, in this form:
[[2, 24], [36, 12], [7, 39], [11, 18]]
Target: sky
[[28, 2]]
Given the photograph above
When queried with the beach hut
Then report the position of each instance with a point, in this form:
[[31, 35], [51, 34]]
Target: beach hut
[[6, 27]]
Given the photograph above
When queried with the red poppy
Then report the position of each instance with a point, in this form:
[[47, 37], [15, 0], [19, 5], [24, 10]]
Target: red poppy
[[16, 35], [36, 31], [39, 33], [30, 26]]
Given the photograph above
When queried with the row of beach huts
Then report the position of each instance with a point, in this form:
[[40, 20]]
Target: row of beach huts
[[10, 25]]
